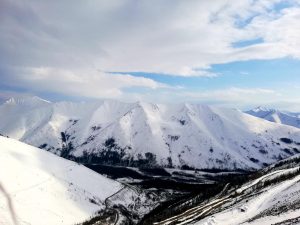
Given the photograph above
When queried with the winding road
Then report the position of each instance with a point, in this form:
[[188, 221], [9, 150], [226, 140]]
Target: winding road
[[199, 212]]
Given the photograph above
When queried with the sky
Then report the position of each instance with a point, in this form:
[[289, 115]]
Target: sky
[[231, 53]]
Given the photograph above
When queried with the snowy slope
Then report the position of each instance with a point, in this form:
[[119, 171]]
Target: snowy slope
[[271, 196], [287, 118], [276, 203], [125, 133], [46, 189]]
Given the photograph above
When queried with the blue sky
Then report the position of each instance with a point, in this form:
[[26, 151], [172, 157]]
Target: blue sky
[[274, 73], [276, 77], [234, 54]]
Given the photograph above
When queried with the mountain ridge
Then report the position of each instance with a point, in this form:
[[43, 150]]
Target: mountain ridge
[[146, 134], [277, 116]]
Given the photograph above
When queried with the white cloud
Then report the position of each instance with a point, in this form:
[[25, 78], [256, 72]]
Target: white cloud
[[234, 95], [243, 98], [87, 83], [59, 46], [171, 37]]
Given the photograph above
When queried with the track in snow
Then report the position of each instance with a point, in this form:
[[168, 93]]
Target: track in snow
[[200, 212]]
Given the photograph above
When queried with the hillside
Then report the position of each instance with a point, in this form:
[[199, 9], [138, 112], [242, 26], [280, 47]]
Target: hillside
[[46, 189], [147, 135], [271, 199], [270, 196]]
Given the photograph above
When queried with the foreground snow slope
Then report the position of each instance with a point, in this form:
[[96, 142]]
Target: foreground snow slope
[[278, 203], [270, 196], [47, 189], [175, 135], [287, 118]]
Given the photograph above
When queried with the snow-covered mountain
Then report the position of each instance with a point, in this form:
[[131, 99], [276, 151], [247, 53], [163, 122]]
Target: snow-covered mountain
[[47, 189], [143, 134], [270, 199], [287, 118], [271, 196], [38, 187]]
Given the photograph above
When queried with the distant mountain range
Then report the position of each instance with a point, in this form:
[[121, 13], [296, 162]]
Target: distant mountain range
[[273, 115], [147, 135]]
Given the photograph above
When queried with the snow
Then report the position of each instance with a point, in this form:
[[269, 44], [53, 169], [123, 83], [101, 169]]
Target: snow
[[280, 117], [46, 189], [282, 193], [269, 199], [189, 134]]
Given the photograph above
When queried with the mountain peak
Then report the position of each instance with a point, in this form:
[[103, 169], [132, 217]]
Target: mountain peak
[[26, 100], [262, 109], [273, 115], [171, 133]]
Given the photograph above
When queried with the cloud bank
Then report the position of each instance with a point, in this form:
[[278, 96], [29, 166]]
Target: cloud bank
[[72, 48]]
